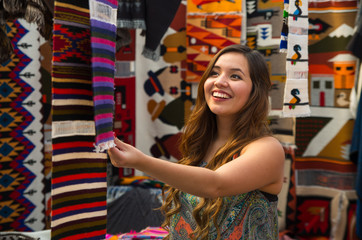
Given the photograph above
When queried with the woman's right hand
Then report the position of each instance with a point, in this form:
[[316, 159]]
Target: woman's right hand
[[124, 155]]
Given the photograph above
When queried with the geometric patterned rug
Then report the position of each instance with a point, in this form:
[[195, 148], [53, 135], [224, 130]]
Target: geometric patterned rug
[[21, 147]]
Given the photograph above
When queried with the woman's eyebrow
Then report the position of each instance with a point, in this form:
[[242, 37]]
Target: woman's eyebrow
[[231, 69], [238, 70]]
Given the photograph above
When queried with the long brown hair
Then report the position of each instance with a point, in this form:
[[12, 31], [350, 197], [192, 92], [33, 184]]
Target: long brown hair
[[200, 130]]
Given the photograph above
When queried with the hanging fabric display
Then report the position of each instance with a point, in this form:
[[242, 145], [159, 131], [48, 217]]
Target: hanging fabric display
[[296, 102], [21, 147], [103, 15], [79, 185]]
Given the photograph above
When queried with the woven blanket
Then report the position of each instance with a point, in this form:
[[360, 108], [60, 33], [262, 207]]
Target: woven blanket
[[78, 173], [21, 146], [103, 15]]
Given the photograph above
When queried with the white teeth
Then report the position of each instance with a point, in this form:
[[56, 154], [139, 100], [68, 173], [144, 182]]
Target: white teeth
[[220, 95]]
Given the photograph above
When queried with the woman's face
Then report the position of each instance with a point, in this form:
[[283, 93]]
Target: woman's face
[[229, 85]]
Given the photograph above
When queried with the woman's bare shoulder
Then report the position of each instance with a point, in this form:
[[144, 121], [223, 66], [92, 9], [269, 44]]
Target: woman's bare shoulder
[[265, 143]]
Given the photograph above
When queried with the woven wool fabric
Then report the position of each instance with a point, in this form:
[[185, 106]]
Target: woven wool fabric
[[103, 15], [206, 35], [21, 166], [79, 184]]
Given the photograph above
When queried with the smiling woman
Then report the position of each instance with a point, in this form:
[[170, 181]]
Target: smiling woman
[[228, 86], [226, 184]]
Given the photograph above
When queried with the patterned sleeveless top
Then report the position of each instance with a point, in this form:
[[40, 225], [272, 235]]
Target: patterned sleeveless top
[[248, 216]]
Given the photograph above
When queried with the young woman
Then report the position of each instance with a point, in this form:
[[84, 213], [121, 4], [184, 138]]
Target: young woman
[[226, 184]]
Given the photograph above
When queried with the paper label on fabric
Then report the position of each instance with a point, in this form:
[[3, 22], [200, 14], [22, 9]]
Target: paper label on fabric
[[103, 12], [69, 128]]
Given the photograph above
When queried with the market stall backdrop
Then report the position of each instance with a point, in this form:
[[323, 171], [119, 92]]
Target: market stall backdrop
[[155, 80]]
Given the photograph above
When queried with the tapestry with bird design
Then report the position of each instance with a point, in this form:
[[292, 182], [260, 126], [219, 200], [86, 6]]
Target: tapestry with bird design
[[296, 98]]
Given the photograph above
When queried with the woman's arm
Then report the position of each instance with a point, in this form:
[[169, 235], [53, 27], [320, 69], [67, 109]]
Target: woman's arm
[[260, 164]]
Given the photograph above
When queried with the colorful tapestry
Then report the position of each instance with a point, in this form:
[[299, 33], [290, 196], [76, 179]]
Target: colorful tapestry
[[332, 67], [324, 138], [79, 184], [103, 15], [21, 146], [208, 31], [164, 98]]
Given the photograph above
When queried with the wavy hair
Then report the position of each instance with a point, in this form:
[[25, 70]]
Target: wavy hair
[[200, 130]]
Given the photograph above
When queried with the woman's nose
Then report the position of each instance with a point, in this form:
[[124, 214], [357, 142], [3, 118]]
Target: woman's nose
[[221, 81]]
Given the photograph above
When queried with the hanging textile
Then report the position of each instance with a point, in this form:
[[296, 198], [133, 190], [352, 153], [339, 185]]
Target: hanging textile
[[21, 146], [79, 185], [210, 26], [296, 100], [103, 15]]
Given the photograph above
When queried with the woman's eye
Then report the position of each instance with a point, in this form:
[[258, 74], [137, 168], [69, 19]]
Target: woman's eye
[[234, 76], [213, 74]]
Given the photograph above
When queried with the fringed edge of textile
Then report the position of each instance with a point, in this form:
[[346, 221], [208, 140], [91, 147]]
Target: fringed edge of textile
[[104, 146], [151, 54], [139, 24], [131, 24]]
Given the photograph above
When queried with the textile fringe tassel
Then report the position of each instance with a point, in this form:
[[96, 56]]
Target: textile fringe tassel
[[102, 147]]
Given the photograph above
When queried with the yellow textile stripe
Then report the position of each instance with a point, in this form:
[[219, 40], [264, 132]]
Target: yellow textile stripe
[[78, 187], [78, 218], [79, 155], [71, 80], [71, 128], [64, 102]]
